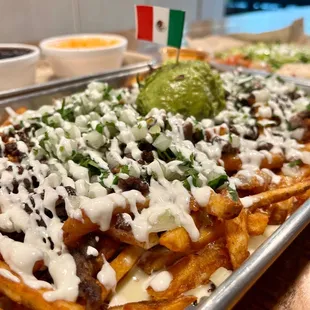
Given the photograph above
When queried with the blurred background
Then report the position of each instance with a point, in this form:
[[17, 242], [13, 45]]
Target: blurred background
[[33, 20]]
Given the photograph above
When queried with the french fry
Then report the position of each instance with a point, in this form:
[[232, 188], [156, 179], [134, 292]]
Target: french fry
[[31, 298], [106, 247], [128, 237], [20, 110], [257, 223], [257, 183], [123, 263], [74, 229], [174, 304], [193, 270], [158, 258], [178, 240], [277, 195], [223, 206], [237, 238], [234, 163], [281, 210]]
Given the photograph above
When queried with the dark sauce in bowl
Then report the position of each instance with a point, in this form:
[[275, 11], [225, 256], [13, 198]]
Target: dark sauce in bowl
[[10, 52]]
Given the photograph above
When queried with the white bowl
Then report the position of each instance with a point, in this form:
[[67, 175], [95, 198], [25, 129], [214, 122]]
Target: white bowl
[[70, 62], [18, 71]]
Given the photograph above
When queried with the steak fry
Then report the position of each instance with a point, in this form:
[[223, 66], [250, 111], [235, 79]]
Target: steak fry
[[237, 238], [193, 270]]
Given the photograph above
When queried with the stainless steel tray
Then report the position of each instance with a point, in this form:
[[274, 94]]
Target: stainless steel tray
[[228, 294], [222, 67]]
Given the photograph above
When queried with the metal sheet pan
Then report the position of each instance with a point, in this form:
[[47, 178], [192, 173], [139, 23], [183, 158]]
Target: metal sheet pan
[[305, 83], [229, 292]]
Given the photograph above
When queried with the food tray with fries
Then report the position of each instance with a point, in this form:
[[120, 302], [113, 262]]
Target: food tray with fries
[[106, 207]]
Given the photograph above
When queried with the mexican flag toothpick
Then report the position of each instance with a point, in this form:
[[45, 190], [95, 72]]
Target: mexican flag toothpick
[[160, 25]]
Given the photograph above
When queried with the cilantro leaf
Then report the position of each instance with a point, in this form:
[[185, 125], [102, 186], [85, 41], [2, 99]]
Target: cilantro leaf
[[124, 169], [99, 128], [115, 180], [233, 193], [119, 97], [218, 182], [66, 114], [186, 185], [106, 94], [295, 163], [91, 165]]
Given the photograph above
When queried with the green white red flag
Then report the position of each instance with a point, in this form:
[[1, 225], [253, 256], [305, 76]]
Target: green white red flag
[[160, 25]]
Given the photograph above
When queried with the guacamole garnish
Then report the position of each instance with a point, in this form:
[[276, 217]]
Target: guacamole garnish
[[190, 88]]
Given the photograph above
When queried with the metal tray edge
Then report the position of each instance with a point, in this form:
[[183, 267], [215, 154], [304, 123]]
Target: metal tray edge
[[222, 67]]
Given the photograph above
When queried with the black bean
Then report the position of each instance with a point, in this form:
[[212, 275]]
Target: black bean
[[212, 288], [32, 201], [233, 129], [121, 223], [70, 190], [16, 236], [27, 209], [227, 148], [43, 275], [147, 156], [11, 149], [52, 246], [27, 184], [20, 169], [48, 213], [252, 133], [133, 183], [145, 146], [297, 120], [197, 136], [9, 168], [61, 212], [188, 131], [294, 95], [41, 223], [15, 186], [264, 146], [35, 181]]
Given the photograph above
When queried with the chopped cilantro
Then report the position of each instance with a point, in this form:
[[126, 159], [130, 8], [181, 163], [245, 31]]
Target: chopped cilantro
[[218, 182], [233, 193], [42, 142], [166, 155], [66, 114], [87, 162], [186, 185], [99, 128], [119, 97], [115, 180], [106, 94], [113, 130], [295, 163], [124, 169]]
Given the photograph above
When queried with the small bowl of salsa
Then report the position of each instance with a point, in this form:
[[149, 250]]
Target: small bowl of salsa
[[83, 54], [17, 65]]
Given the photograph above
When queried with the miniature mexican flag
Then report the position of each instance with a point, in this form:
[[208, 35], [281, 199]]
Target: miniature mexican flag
[[160, 25]]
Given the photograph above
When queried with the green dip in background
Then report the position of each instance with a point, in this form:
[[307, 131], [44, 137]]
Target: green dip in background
[[190, 88]]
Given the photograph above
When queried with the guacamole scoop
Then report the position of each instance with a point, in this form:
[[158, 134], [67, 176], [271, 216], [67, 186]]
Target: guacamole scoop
[[189, 88]]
